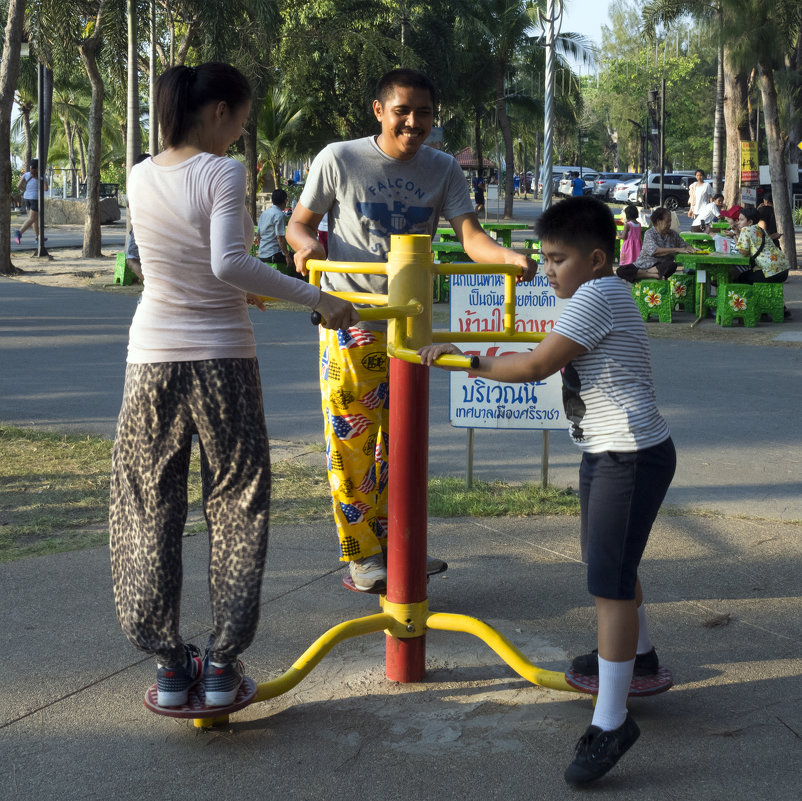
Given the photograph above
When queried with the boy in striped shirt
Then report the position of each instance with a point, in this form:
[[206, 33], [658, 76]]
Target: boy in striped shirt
[[599, 344]]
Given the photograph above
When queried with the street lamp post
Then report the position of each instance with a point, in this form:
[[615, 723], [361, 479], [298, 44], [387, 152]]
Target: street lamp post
[[41, 155], [551, 27]]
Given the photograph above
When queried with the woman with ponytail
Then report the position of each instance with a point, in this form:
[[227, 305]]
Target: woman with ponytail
[[192, 371]]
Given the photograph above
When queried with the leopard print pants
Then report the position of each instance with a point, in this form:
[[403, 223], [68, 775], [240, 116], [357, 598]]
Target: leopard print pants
[[164, 405]]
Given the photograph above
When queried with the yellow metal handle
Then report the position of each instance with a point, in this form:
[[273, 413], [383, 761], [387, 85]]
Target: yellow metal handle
[[447, 360]]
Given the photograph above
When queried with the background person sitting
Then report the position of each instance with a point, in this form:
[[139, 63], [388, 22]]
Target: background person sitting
[[768, 264], [660, 244], [710, 213]]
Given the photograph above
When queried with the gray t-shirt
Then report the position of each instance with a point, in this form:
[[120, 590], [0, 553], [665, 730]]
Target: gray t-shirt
[[370, 196], [270, 228]]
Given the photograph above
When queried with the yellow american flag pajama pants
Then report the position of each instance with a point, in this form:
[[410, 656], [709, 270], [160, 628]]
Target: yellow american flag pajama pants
[[354, 385]]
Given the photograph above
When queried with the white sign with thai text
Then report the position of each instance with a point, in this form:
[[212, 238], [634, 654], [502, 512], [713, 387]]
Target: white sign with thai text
[[476, 303]]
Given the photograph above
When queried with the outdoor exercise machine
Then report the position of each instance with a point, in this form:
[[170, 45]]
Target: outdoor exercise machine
[[405, 617]]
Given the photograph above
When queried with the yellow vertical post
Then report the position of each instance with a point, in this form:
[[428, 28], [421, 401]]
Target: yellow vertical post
[[409, 273]]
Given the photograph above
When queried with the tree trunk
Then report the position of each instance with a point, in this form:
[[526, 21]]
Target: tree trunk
[[251, 174], [506, 133], [477, 136], [183, 48], [25, 112], [69, 136], [737, 126], [793, 66], [133, 131], [81, 152], [779, 183], [153, 118], [9, 72], [259, 88], [88, 50], [719, 127]]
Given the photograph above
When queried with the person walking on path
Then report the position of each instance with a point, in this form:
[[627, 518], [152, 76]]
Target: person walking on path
[[192, 371], [29, 183], [600, 345], [373, 188]]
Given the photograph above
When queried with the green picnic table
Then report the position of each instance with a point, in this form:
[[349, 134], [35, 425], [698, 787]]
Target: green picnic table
[[697, 239], [716, 266], [503, 231], [720, 226]]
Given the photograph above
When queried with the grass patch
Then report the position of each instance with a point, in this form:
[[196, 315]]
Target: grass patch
[[54, 494], [449, 497]]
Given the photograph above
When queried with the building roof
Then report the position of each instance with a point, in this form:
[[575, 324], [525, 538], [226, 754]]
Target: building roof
[[467, 159]]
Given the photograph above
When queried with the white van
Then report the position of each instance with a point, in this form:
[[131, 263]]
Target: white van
[[557, 173]]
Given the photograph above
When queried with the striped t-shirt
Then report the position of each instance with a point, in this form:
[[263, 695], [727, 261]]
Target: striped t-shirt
[[608, 392]]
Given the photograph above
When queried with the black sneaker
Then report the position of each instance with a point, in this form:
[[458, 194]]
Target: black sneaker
[[588, 664], [222, 682], [597, 751], [174, 683]]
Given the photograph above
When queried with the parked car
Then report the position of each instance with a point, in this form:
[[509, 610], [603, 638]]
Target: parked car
[[605, 184], [565, 188], [624, 189], [675, 190], [557, 172]]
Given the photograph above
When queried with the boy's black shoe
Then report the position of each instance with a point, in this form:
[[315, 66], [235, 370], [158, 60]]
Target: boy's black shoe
[[597, 751], [588, 664]]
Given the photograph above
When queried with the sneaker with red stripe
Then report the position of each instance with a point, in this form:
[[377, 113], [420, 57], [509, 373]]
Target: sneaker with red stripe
[[174, 683]]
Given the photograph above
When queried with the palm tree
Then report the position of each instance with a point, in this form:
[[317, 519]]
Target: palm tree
[[133, 130], [501, 29], [9, 70], [756, 35], [279, 122]]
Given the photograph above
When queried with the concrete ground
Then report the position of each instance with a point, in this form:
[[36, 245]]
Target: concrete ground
[[721, 576]]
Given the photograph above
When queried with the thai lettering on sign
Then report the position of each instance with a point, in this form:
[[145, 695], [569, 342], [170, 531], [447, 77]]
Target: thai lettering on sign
[[476, 304]]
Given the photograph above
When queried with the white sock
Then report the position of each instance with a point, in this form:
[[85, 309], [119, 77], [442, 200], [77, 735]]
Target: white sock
[[611, 704], [644, 643]]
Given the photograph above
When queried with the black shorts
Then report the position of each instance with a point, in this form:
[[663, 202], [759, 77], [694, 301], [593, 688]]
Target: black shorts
[[32, 204], [620, 494]]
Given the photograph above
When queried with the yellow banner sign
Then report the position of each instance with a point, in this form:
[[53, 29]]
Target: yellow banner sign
[[750, 170]]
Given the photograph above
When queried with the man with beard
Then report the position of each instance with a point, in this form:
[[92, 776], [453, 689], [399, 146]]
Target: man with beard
[[373, 188]]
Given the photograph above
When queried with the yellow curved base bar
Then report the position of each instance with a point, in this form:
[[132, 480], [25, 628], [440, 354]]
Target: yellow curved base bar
[[318, 649], [502, 646], [403, 621]]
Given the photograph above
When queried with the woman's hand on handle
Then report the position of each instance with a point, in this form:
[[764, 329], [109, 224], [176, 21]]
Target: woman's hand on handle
[[336, 313]]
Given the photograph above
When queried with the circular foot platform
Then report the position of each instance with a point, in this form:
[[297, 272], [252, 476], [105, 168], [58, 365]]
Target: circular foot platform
[[348, 583], [196, 703], [381, 589], [641, 685]]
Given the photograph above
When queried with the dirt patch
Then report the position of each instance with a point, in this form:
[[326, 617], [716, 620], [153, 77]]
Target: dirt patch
[[67, 268]]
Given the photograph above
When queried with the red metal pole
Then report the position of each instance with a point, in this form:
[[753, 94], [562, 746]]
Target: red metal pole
[[408, 512]]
